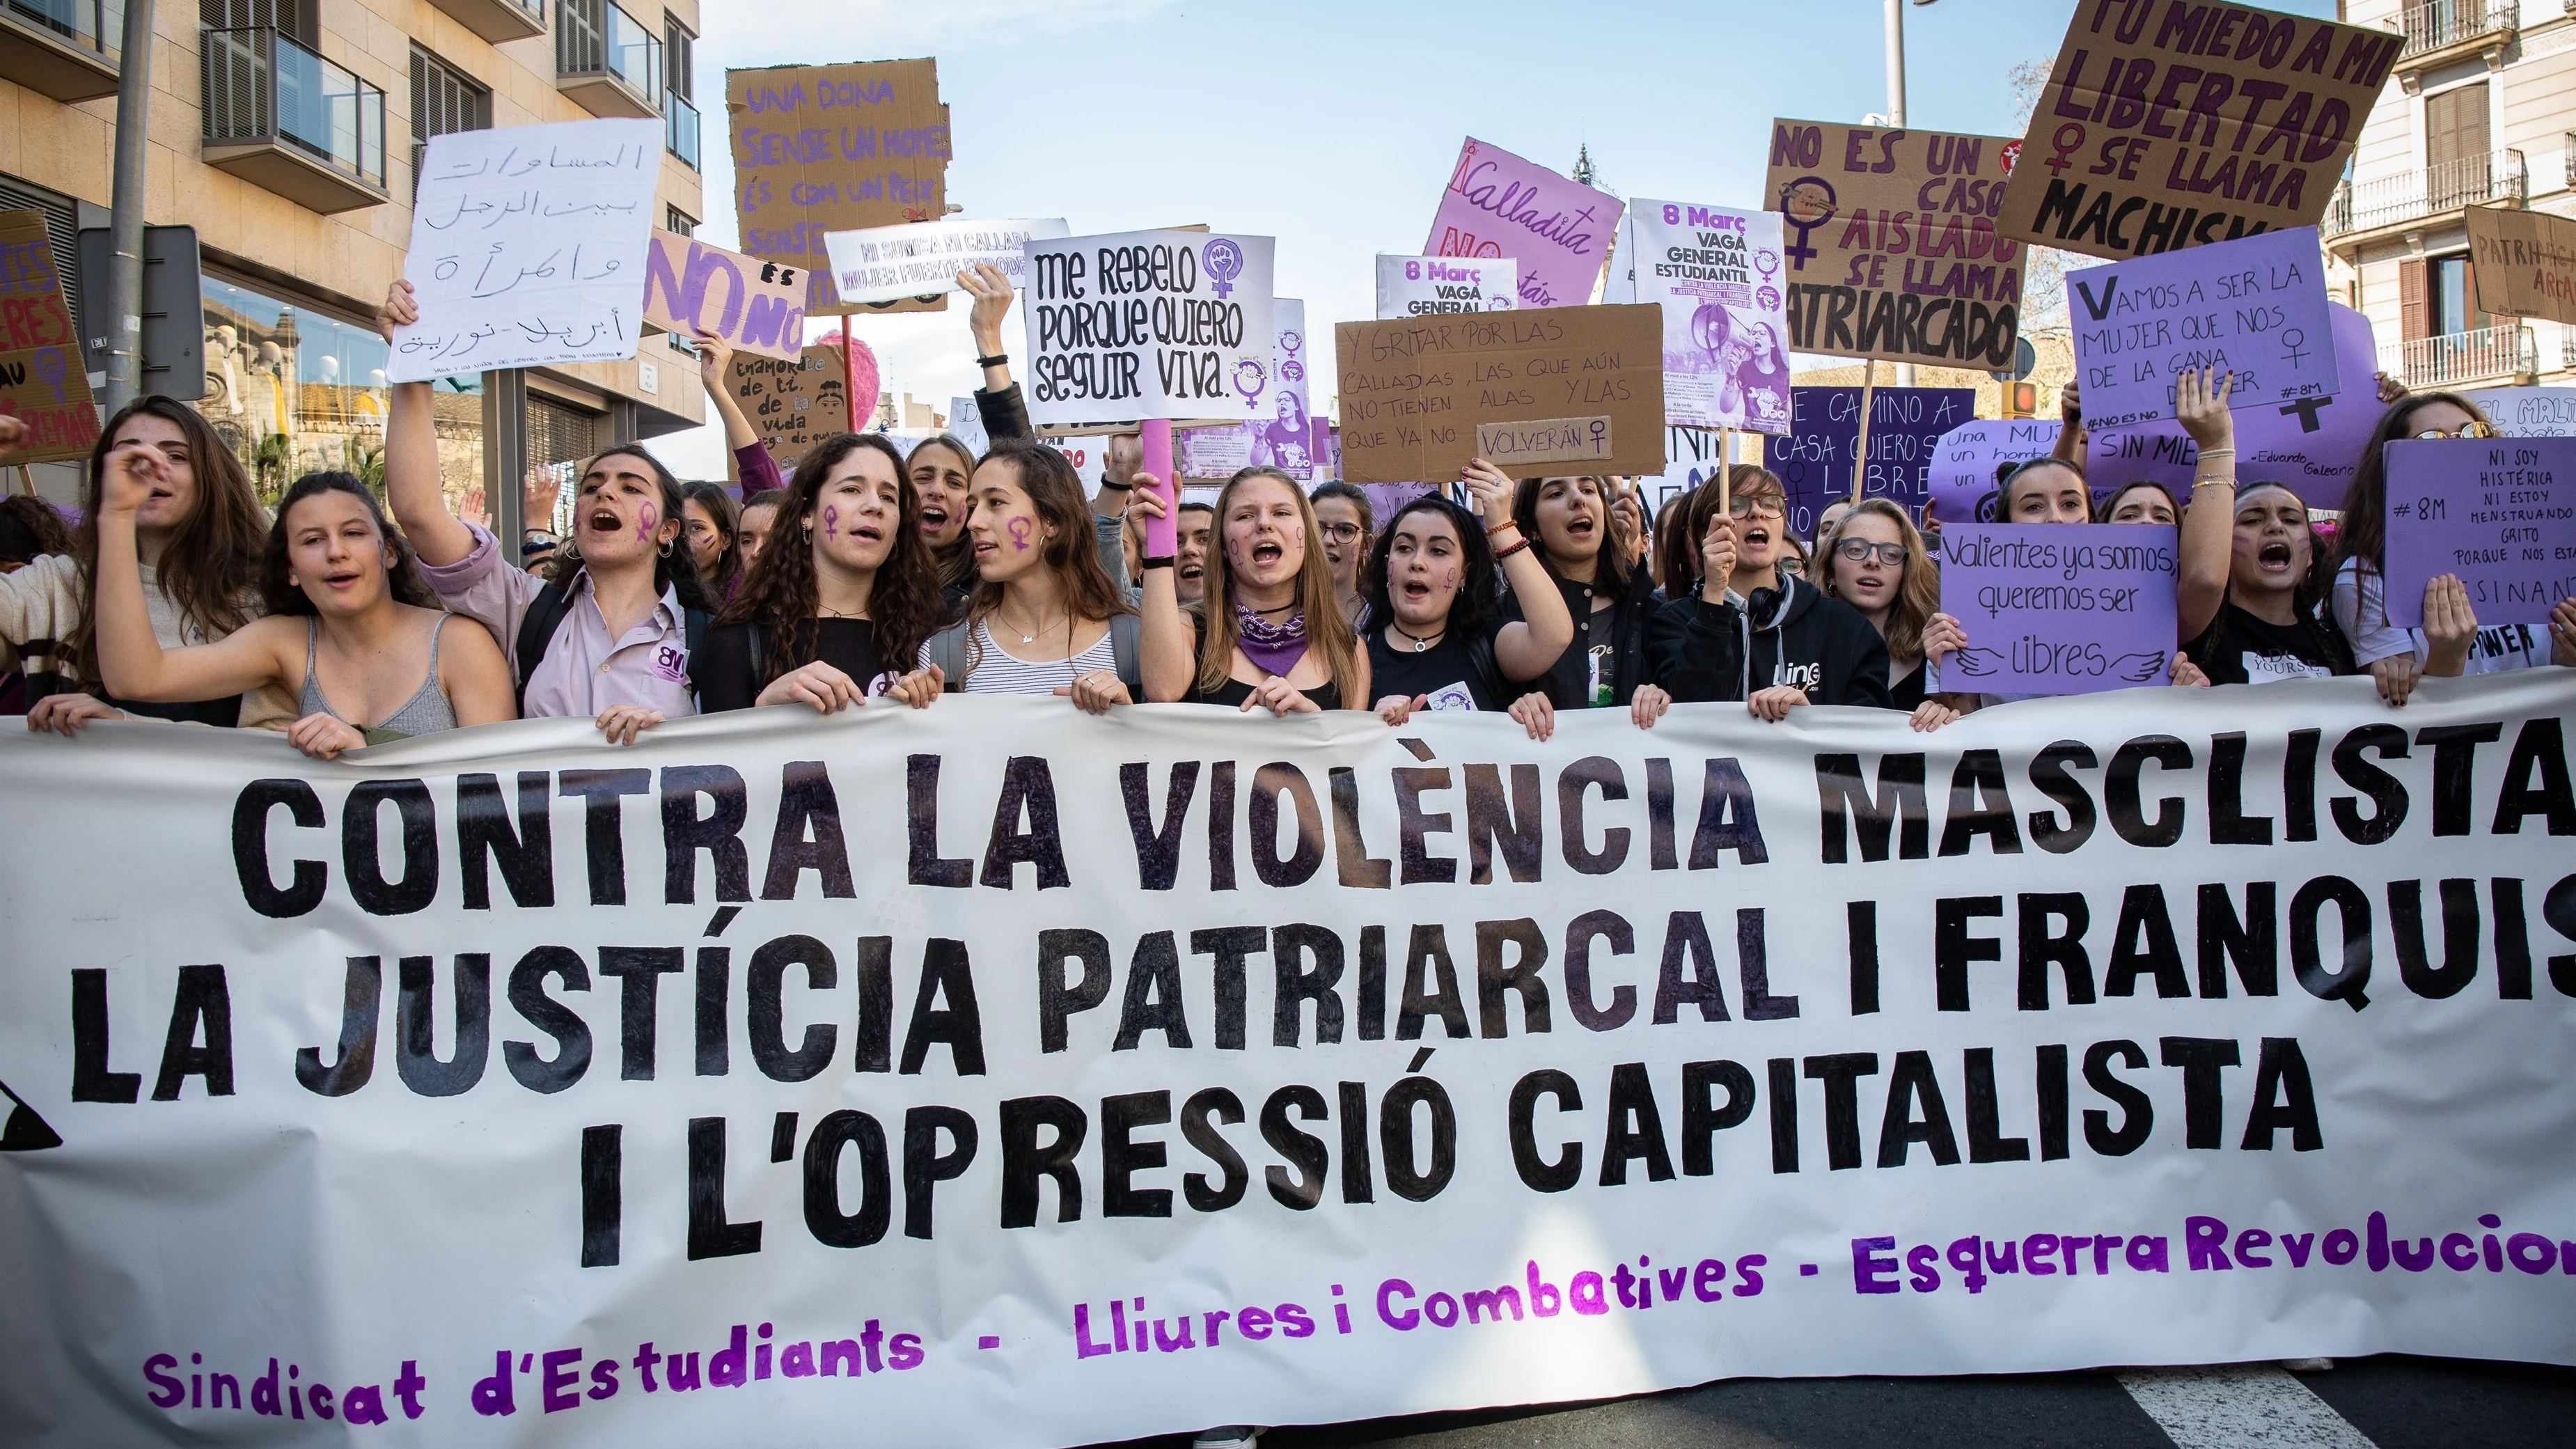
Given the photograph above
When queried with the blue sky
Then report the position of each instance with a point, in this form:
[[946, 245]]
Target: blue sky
[[1332, 125]]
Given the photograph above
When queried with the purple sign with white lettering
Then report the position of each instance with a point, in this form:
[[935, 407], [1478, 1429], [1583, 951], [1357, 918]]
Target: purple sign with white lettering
[[2059, 608], [2498, 512], [2255, 307], [1815, 460], [1499, 205]]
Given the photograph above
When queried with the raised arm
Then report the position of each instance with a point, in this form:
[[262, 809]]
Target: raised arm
[[2070, 437], [131, 661], [2209, 520], [1170, 661], [1530, 644], [998, 401], [411, 453], [715, 370]]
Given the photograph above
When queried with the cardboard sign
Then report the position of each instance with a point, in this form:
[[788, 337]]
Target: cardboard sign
[[1281, 434], [825, 148], [2528, 412], [795, 405], [1716, 272], [2167, 126], [2495, 511], [2523, 263], [2256, 308], [692, 287], [1499, 205], [1552, 440], [42, 383], [527, 247], [1891, 243], [1815, 460], [1435, 286], [2060, 608], [1148, 324], [891, 263], [1414, 393]]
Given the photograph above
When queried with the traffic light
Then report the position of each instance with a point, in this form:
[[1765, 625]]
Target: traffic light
[[2021, 399]]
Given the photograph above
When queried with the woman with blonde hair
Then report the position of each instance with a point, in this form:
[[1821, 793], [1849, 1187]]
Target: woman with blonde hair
[[1874, 559], [1271, 631]]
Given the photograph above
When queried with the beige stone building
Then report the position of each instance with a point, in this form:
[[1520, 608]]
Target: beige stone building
[[2480, 111], [285, 132]]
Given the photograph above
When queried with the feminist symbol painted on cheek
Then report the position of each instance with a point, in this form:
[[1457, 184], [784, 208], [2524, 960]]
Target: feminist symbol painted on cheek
[[1019, 527], [651, 520], [831, 520]]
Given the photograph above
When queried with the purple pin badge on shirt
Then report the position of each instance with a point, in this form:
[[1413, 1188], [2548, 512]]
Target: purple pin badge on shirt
[[1224, 262]]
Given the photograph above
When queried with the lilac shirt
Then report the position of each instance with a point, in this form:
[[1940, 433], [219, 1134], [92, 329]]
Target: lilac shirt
[[759, 470], [584, 670]]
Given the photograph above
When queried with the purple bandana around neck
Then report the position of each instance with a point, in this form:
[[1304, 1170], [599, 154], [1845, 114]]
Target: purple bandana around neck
[[1275, 648]]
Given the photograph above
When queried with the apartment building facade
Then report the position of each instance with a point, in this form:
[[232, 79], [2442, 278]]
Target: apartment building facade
[[2480, 111], [286, 132]]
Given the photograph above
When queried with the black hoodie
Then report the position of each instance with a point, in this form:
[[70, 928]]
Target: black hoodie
[[1701, 652]]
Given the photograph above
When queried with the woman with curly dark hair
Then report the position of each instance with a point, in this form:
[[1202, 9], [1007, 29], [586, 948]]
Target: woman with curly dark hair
[[842, 597], [352, 629]]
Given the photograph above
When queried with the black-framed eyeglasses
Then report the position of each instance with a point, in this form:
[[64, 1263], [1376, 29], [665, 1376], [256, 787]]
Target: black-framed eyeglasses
[[1340, 532], [1742, 507], [2470, 429], [1861, 550]]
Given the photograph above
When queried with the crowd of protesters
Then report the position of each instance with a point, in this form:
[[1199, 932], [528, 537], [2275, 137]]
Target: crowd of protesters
[[877, 575]]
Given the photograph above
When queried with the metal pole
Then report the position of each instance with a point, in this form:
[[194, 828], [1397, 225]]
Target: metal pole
[[123, 314], [1896, 112]]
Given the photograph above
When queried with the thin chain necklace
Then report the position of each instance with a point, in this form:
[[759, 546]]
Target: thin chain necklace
[[1420, 641], [1026, 637]]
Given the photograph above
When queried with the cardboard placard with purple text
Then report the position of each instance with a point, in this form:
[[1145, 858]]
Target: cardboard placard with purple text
[[756, 306], [42, 380], [825, 148], [1500, 205], [2498, 512], [2059, 608], [2254, 309], [2525, 263], [795, 405], [1415, 392]]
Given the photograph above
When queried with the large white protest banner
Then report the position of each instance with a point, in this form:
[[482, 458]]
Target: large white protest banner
[[1147, 324], [994, 1075], [527, 247], [890, 263]]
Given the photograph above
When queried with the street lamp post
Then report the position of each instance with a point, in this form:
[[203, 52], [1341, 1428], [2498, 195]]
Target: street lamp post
[[1896, 109]]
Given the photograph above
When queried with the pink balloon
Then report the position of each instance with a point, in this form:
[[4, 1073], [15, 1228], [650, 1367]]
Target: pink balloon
[[864, 378]]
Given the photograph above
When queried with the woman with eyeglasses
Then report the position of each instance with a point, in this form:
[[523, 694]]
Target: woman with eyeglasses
[[1586, 557], [1751, 632], [2252, 580], [1875, 561], [2450, 643], [1438, 639], [1349, 522], [1268, 634]]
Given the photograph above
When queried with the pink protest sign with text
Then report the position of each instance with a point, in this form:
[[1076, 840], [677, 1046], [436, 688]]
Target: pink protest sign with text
[[1499, 205], [754, 305]]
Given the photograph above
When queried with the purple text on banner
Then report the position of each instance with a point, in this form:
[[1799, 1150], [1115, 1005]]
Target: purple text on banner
[[2499, 512], [2059, 608], [1499, 205], [1815, 460], [2255, 307]]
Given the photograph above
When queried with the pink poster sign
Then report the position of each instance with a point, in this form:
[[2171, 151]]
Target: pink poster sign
[[1499, 205]]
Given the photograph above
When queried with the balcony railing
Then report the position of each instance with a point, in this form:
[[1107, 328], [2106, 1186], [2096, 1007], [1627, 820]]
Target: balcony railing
[[63, 49], [498, 20], [2392, 200], [280, 115], [606, 59], [2441, 24], [2502, 351], [680, 128]]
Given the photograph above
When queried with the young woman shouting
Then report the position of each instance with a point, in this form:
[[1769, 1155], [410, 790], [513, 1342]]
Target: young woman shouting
[[1270, 632], [1875, 561], [1437, 638], [1584, 550]]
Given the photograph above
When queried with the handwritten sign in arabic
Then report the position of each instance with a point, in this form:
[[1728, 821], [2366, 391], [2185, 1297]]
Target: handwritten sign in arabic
[[2500, 513], [2255, 308], [890, 263], [527, 247], [2059, 609], [757, 306], [42, 383], [794, 405]]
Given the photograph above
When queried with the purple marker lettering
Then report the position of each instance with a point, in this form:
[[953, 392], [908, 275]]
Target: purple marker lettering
[[1020, 533]]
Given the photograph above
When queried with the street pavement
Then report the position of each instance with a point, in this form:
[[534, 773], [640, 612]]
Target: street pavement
[[2391, 1402]]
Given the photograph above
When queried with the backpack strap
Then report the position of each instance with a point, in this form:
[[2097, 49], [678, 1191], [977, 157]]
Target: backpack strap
[[694, 624], [947, 649], [1125, 633], [537, 626]]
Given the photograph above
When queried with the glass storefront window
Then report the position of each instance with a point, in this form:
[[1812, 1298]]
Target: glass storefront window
[[296, 391]]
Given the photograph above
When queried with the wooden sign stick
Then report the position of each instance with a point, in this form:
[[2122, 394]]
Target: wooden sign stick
[[1725, 465], [1860, 450]]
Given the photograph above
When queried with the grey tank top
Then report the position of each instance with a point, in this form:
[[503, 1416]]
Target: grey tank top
[[426, 713]]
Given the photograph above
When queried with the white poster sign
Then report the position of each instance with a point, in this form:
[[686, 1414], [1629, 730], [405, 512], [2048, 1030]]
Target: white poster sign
[[527, 247], [1147, 324], [1716, 273], [1432, 286], [890, 263], [994, 1075], [2528, 412], [1280, 434]]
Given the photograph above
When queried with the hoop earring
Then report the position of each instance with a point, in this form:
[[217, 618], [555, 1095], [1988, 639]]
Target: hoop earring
[[667, 545]]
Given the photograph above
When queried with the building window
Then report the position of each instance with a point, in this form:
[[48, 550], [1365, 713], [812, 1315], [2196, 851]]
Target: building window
[[443, 99], [560, 439], [679, 222], [679, 93], [2451, 297]]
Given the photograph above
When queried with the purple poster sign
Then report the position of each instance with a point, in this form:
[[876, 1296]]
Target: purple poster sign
[[1499, 205], [2499, 512], [2059, 608], [1815, 460], [2255, 306]]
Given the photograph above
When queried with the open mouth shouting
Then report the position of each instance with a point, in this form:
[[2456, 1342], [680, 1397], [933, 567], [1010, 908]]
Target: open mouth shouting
[[1266, 553], [934, 519], [2275, 557]]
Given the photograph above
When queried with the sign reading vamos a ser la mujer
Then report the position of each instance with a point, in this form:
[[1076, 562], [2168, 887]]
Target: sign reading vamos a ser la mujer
[[1012, 1077]]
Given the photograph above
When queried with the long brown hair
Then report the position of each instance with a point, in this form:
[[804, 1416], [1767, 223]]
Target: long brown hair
[[783, 595], [210, 567], [1327, 632], [1610, 571], [403, 580], [676, 570], [1918, 592], [956, 563], [727, 516], [2363, 532], [1071, 552], [2307, 598]]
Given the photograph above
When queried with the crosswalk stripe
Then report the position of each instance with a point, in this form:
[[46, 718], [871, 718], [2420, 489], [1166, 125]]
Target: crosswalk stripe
[[2232, 1406]]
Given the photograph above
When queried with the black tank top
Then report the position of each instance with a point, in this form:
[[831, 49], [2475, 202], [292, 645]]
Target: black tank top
[[1327, 695]]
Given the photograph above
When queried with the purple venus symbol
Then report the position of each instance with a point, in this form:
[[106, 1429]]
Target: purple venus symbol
[[1225, 263]]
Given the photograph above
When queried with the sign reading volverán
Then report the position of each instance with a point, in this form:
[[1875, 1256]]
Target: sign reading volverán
[[2171, 125], [1414, 393], [2498, 512], [2254, 309], [1892, 247]]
